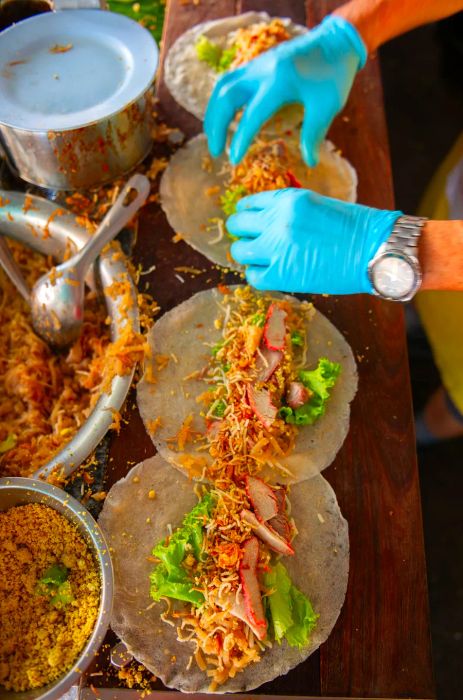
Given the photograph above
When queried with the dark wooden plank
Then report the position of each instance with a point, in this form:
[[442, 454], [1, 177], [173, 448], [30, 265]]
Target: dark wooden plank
[[125, 694], [276, 8], [380, 646]]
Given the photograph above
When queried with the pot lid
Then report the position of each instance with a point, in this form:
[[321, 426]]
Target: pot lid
[[64, 70]]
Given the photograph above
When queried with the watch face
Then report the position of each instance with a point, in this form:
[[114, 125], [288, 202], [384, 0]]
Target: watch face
[[393, 276]]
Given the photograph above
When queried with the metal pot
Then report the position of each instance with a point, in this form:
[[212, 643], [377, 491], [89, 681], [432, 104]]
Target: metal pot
[[18, 491], [76, 108]]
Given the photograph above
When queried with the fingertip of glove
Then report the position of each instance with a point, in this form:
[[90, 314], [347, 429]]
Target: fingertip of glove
[[310, 153], [233, 251], [239, 252], [236, 154], [253, 277], [215, 150], [230, 224], [310, 156], [215, 147]]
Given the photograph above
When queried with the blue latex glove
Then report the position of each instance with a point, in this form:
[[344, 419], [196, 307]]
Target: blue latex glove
[[316, 69], [295, 240]]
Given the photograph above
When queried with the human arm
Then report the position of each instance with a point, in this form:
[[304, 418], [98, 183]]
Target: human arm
[[378, 21], [441, 255], [316, 70], [295, 240]]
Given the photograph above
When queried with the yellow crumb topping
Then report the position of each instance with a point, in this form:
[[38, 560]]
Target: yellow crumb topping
[[41, 634]]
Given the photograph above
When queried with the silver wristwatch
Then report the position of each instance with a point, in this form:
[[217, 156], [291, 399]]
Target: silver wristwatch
[[395, 272]]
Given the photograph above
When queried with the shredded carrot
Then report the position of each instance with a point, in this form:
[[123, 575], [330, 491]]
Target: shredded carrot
[[60, 48], [51, 218], [154, 424]]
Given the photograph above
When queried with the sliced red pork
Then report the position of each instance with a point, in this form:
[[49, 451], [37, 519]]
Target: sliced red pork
[[262, 406], [236, 605], [251, 590], [263, 499], [280, 522], [297, 394], [267, 534], [267, 362], [275, 328]]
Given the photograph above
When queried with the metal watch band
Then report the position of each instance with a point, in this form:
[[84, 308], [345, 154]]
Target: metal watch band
[[405, 235], [403, 242]]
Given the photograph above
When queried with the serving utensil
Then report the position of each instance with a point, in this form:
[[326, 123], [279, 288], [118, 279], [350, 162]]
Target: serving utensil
[[57, 298]]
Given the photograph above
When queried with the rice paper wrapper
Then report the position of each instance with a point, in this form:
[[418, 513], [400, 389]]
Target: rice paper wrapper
[[191, 81], [184, 331], [191, 211], [319, 569]]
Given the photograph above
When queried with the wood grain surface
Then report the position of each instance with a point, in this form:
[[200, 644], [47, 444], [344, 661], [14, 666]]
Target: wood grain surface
[[380, 646]]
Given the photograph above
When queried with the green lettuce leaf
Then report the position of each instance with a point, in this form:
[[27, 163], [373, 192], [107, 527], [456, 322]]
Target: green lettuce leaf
[[291, 614], [279, 602], [164, 585], [215, 57], [227, 58], [208, 52], [322, 378], [305, 619], [170, 578], [319, 381], [231, 197]]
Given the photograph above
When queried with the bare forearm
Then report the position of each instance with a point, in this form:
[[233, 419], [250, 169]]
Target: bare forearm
[[441, 255], [377, 21]]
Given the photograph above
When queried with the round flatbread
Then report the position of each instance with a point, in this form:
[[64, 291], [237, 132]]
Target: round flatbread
[[185, 336], [319, 569], [191, 81], [190, 192]]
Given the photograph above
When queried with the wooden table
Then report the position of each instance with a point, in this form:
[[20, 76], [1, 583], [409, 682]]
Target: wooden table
[[380, 647]]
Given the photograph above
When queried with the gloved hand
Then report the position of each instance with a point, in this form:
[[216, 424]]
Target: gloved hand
[[295, 240], [316, 69]]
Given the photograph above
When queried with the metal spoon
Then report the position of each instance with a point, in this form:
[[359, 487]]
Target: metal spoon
[[57, 298], [12, 270]]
